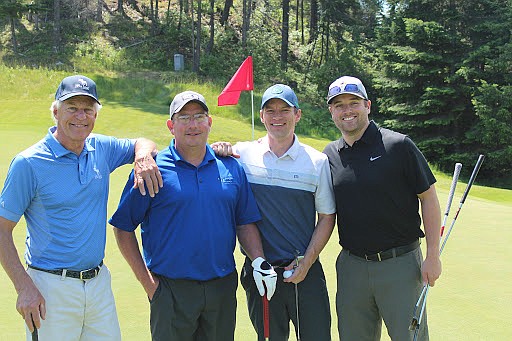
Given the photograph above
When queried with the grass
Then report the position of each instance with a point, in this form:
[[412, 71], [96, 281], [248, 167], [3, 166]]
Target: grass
[[470, 301]]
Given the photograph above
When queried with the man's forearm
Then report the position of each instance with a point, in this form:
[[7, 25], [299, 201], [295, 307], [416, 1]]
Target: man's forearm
[[321, 235], [9, 256], [129, 247], [250, 240]]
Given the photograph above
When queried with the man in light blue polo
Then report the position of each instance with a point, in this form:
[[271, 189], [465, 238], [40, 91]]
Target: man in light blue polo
[[61, 186], [292, 185]]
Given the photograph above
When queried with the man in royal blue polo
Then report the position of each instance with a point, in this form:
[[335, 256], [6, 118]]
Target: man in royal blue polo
[[189, 232], [292, 185], [61, 186]]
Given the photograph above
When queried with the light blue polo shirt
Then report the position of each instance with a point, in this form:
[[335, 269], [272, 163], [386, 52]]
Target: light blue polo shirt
[[64, 199]]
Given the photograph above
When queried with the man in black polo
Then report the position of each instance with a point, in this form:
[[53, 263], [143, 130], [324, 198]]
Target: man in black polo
[[379, 178]]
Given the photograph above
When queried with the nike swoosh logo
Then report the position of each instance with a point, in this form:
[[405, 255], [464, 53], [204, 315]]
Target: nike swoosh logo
[[375, 158]]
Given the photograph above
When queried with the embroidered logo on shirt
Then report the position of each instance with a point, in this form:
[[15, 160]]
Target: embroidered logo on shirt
[[98, 174], [373, 158], [227, 180]]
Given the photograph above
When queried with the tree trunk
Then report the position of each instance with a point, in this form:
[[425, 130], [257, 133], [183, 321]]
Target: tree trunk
[[120, 8], [99, 11], [302, 21], [225, 13], [13, 35], [197, 45], [209, 48], [313, 21], [284, 34], [56, 25]]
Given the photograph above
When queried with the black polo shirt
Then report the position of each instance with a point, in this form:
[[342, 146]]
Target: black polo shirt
[[376, 182]]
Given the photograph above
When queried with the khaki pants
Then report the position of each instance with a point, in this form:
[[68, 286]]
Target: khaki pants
[[77, 310]]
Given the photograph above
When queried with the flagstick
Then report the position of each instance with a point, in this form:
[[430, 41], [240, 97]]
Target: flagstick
[[252, 112]]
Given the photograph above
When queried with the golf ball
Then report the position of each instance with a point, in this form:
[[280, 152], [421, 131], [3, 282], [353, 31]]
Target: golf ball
[[287, 273]]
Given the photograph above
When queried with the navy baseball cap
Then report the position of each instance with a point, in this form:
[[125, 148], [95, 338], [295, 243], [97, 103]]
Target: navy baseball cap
[[282, 92], [346, 85], [76, 86], [181, 99]]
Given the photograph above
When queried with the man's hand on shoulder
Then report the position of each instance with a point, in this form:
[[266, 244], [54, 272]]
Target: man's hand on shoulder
[[224, 149]]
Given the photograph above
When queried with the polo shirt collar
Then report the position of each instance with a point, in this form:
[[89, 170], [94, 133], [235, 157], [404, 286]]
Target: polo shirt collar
[[209, 156], [292, 152], [369, 135], [58, 149]]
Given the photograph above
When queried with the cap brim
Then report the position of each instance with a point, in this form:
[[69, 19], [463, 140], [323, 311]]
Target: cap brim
[[282, 99], [178, 109], [329, 100], [74, 94]]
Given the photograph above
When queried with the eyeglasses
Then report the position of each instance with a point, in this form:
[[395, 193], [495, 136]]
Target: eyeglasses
[[186, 119], [335, 90]]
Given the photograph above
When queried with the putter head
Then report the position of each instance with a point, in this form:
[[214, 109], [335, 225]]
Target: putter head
[[414, 324]]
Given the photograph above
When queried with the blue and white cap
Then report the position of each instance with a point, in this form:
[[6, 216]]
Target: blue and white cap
[[282, 92], [76, 86], [346, 85]]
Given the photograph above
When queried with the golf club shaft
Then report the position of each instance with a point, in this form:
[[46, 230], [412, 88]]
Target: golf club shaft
[[297, 310], [423, 296], [462, 200], [455, 179], [266, 319]]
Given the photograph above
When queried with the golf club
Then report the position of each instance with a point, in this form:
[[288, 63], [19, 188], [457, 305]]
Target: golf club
[[266, 318], [297, 259], [35, 336], [416, 324], [455, 179]]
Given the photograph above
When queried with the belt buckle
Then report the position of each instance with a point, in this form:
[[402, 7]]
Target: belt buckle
[[379, 259], [86, 271]]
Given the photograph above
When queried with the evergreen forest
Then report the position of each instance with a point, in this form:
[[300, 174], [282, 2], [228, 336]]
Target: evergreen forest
[[437, 70]]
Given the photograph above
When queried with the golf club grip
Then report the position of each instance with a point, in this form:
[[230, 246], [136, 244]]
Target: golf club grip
[[35, 335], [472, 178], [456, 173], [266, 318]]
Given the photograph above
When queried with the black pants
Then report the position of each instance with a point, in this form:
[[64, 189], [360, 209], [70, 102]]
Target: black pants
[[314, 309], [187, 310]]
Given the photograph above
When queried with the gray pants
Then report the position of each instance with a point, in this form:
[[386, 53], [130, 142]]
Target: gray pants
[[369, 292], [188, 310], [314, 309]]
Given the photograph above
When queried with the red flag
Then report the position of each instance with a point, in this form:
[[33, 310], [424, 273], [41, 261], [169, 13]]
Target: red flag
[[242, 80]]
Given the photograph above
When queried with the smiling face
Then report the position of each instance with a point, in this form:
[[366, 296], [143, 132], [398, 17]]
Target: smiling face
[[279, 119], [350, 114], [75, 118], [190, 127]]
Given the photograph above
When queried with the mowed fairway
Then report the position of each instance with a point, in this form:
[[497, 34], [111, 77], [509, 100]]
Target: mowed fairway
[[471, 301]]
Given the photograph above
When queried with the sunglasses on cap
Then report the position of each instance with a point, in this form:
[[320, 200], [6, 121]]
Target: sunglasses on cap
[[335, 90]]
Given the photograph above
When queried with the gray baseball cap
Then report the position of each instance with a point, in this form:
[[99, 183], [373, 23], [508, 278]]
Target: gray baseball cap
[[181, 99]]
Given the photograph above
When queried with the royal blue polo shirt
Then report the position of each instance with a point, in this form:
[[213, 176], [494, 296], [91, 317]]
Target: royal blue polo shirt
[[188, 229], [63, 197]]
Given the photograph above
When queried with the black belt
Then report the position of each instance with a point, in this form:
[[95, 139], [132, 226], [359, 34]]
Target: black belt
[[84, 274], [282, 263], [391, 253]]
